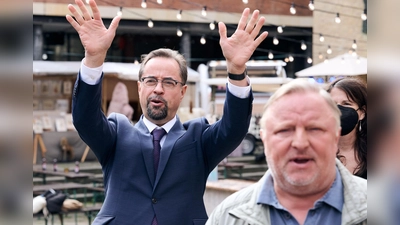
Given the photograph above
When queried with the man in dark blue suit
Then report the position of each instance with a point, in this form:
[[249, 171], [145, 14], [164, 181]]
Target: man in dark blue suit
[[138, 189]]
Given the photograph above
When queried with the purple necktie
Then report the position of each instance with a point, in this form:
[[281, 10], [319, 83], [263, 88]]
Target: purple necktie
[[157, 135]]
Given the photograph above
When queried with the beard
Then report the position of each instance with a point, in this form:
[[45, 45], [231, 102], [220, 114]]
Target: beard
[[157, 112]]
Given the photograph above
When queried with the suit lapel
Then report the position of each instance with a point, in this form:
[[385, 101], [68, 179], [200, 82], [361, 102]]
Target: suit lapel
[[146, 145], [174, 134]]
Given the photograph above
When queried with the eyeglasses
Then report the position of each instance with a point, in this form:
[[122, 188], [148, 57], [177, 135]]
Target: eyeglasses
[[167, 83]]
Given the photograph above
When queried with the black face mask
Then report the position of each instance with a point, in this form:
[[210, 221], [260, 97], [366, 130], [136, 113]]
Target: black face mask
[[348, 119]]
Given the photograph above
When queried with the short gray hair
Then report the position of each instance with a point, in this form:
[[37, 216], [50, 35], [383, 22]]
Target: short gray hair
[[301, 85]]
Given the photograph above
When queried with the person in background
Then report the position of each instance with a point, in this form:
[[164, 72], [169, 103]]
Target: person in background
[[351, 96], [306, 184], [155, 171]]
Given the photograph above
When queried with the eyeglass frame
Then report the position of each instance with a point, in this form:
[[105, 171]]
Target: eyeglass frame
[[162, 84]]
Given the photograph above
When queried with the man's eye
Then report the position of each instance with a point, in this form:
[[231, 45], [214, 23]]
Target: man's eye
[[151, 81], [169, 83]]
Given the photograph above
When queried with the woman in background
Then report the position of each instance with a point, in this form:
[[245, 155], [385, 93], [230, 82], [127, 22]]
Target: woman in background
[[351, 96]]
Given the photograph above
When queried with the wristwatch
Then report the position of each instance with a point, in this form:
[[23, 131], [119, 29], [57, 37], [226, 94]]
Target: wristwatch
[[237, 76]]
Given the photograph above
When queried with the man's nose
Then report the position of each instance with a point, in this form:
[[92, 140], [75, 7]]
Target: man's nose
[[159, 87], [300, 139]]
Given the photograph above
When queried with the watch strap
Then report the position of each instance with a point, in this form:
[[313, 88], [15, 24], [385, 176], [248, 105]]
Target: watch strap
[[237, 76]]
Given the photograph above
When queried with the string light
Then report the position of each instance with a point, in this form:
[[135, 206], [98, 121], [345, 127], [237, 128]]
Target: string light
[[150, 23], [87, 1], [212, 25], [291, 59], [286, 59], [245, 1], [119, 13], [326, 59], [292, 9], [279, 29], [364, 15], [179, 32], [136, 62], [204, 11], [159, 2], [311, 5], [337, 18], [354, 45], [321, 38], [320, 56], [275, 41], [303, 45], [354, 53], [179, 14], [309, 60], [144, 4], [44, 56], [329, 50], [270, 55], [202, 40]]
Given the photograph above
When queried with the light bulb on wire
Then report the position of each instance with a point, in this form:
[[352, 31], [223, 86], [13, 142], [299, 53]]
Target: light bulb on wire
[[354, 45], [119, 13], [303, 46], [309, 60], [179, 32], [311, 5], [320, 56], [275, 41], [326, 59], [321, 38], [270, 55], [204, 11], [364, 15], [212, 25], [286, 59], [292, 9], [202, 40], [179, 14], [291, 59], [329, 50], [150, 23], [279, 29], [245, 1], [144, 4], [159, 2], [337, 18]]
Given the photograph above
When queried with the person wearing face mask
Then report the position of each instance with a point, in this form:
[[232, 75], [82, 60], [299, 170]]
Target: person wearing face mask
[[350, 94]]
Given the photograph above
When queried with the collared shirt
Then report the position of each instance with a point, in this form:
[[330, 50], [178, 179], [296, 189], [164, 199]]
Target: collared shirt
[[167, 127], [327, 210]]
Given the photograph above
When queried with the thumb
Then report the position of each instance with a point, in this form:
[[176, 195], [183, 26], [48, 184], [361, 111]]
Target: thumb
[[114, 23], [222, 31]]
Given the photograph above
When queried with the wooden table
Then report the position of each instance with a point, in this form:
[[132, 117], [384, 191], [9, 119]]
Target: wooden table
[[69, 176]]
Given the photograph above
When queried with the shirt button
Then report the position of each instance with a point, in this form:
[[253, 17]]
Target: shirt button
[[154, 201], [287, 215]]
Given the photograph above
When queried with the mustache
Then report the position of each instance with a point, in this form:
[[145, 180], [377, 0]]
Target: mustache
[[157, 98]]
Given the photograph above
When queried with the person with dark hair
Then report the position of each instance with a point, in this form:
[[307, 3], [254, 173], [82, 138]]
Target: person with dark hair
[[351, 96], [155, 171]]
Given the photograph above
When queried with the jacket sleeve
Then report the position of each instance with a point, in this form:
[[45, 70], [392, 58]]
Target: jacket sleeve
[[222, 137], [93, 127]]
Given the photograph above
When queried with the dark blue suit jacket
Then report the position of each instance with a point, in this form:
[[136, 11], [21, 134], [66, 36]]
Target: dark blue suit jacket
[[189, 153]]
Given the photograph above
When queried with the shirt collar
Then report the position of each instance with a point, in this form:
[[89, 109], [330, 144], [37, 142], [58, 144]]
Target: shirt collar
[[151, 126], [334, 197]]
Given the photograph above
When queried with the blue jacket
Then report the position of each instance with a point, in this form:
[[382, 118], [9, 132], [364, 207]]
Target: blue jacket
[[189, 153]]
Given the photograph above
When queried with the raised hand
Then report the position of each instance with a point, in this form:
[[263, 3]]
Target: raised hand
[[95, 37], [238, 48]]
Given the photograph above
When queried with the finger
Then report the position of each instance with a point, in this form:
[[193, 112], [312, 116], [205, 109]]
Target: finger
[[257, 28], [243, 19], [76, 14], [95, 10], [250, 25], [73, 23], [222, 32], [114, 24], [82, 7], [260, 39]]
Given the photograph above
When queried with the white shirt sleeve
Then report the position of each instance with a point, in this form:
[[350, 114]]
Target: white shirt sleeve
[[91, 76], [240, 92]]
